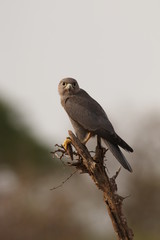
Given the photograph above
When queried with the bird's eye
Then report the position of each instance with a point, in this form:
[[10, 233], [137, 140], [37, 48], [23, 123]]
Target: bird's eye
[[64, 84], [74, 84]]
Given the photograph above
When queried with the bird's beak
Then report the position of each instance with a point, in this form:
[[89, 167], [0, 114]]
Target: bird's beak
[[69, 86]]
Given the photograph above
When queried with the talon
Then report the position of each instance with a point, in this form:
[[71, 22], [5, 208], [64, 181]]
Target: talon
[[66, 142]]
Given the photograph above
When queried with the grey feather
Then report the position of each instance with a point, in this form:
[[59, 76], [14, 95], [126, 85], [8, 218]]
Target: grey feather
[[87, 112], [118, 155], [87, 116]]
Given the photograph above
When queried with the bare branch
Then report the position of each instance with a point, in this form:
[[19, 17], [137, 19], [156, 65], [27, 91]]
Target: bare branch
[[61, 184], [94, 166]]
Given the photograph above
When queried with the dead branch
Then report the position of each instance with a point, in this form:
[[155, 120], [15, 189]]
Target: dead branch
[[63, 182], [94, 166]]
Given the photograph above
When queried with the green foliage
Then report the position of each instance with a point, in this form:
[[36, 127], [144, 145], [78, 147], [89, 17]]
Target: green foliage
[[18, 148]]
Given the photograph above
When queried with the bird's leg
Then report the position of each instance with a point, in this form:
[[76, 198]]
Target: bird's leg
[[87, 138], [66, 142]]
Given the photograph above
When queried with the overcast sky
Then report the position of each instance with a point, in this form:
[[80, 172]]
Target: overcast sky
[[111, 47]]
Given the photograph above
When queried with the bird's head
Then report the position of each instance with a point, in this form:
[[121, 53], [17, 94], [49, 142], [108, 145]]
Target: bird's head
[[68, 86]]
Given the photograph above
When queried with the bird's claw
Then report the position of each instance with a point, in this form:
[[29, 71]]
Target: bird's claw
[[66, 143], [68, 148]]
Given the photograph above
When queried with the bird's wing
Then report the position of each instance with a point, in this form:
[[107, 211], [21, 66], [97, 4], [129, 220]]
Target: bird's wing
[[87, 112]]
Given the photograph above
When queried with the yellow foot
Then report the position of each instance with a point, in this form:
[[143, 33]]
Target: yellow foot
[[89, 135], [66, 142]]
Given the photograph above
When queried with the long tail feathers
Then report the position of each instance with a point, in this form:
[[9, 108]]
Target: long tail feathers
[[118, 155], [123, 144]]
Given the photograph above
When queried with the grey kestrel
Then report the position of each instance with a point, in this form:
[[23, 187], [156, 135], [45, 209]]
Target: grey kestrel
[[89, 119]]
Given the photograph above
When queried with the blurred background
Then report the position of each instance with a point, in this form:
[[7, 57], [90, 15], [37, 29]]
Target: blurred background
[[113, 49]]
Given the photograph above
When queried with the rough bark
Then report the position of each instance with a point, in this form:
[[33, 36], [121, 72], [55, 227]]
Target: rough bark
[[94, 166]]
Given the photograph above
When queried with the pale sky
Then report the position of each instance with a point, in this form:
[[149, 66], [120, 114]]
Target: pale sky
[[111, 47]]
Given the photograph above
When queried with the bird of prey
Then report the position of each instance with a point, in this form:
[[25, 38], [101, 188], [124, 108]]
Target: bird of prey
[[89, 119]]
